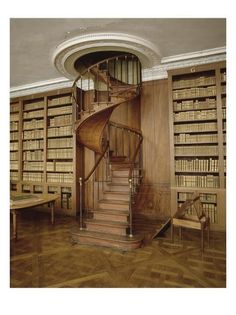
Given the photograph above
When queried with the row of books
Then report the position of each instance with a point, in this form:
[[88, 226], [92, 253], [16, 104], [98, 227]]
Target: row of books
[[34, 105], [33, 114], [209, 210], [224, 125], [60, 154], [203, 80], [207, 181], [194, 92], [59, 100], [224, 113], [15, 107], [14, 117], [60, 131], [59, 110], [14, 136], [14, 125], [197, 150], [33, 124], [60, 166], [197, 165], [211, 126], [60, 143], [33, 134], [59, 178], [14, 165], [14, 156], [60, 120], [33, 166], [223, 89], [183, 196], [195, 115], [14, 146], [32, 177], [33, 144], [223, 101], [13, 175], [195, 104], [66, 201], [223, 76], [192, 138], [36, 155]]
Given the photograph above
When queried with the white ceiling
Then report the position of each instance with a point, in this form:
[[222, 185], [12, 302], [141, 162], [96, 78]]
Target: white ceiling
[[33, 41]]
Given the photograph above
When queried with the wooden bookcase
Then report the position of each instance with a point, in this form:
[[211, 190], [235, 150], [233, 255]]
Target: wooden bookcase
[[44, 155], [197, 107]]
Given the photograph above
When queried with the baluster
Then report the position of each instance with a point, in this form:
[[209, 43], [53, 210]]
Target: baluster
[[108, 81], [97, 83], [129, 148], [81, 202], [81, 99], [132, 63], [130, 208]]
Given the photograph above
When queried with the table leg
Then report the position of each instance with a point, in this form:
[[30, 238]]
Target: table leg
[[52, 211], [202, 239], [172, 232], [14, 225]]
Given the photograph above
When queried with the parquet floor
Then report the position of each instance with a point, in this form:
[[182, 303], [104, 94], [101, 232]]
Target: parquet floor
[[43, 256]]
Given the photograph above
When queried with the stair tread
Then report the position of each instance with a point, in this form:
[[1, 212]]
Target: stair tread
[[106, 222], [118, 184], [107, 236], [123, 202], [112, 211], [124, 193]]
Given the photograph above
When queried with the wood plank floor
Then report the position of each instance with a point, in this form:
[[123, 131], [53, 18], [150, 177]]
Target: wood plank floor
[[43, 256]]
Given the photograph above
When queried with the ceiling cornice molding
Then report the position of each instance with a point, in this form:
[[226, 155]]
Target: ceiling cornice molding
[[40, 87], [195, 55], [154, 73], [69, 51], [191, 59]]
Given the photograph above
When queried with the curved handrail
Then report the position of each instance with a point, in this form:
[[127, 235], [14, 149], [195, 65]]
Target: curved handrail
[[96, 164], [137, 132], [96, 65], [100, 62]]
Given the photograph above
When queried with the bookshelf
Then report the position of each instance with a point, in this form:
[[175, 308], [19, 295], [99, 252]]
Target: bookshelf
[[197, 107], [43, 150]]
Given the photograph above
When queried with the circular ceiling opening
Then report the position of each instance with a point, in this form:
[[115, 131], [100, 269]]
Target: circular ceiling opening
[[66, 55], [84, 62]]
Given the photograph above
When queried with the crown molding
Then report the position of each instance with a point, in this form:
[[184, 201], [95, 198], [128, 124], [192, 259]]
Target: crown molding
[[40, 87], [150, 74], [177, 62]]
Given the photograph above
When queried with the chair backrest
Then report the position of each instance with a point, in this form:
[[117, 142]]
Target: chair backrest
[[195, 204]]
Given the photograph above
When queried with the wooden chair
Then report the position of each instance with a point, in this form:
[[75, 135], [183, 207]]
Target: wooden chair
[[197, 221]]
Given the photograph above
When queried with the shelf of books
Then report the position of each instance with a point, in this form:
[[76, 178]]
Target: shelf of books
[[197, 129], [14, 144], [49, 151]]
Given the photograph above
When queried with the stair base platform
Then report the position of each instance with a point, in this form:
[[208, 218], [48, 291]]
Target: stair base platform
[[120, 242]]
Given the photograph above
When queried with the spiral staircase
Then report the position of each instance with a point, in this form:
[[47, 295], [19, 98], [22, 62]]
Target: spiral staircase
[[107, 194]]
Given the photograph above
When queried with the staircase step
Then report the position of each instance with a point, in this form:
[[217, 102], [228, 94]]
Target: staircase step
[[120, 172], [113, 227], [118, 187], [121, 242], [111, 215], [113, 204], [118, 158], [117, 195], [120, 179]]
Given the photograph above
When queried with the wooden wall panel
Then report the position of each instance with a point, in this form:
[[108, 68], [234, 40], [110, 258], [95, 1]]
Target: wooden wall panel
[[154, 197]]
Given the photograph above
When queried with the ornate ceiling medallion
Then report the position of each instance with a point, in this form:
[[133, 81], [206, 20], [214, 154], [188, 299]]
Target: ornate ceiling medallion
[[69, 51]]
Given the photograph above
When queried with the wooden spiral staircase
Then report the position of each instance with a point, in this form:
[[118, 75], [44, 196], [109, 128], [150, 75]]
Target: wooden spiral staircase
[[107, 193]]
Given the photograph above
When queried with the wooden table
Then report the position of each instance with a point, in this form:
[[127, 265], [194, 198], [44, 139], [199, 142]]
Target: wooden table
[[20, 201]]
